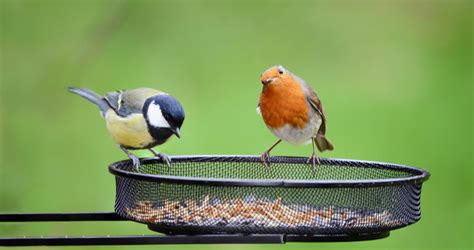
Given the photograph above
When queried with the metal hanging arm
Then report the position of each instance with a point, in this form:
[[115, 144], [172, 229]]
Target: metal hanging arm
[[154, 239], [31, 217]]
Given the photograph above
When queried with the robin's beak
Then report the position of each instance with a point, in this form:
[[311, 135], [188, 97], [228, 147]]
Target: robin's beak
[[176, 132], [267, 81]]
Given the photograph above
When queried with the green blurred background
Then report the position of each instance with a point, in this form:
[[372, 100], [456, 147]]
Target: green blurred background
[[395, 78]]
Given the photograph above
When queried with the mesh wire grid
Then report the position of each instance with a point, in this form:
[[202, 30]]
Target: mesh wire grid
[[237, 194]]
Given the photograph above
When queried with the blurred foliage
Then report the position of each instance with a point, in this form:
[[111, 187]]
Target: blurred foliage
[[395, 78]]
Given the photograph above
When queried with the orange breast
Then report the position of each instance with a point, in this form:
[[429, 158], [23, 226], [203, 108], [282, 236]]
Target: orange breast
[[284, 103]]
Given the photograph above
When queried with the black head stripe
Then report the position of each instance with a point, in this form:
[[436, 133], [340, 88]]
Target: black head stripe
[[171, 110]]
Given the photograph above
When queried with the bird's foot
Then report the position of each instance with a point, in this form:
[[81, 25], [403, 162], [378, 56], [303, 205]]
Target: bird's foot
[[314, 160], [134, 158], [135, 161], [266, 159], [165, 158]]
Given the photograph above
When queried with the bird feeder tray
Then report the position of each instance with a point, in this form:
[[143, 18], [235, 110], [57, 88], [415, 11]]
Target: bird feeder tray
[[238, 194]]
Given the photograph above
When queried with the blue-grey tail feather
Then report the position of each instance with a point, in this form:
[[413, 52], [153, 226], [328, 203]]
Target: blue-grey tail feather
[[92, 97]]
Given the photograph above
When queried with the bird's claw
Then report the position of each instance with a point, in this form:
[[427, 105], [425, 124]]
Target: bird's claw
[[135, 161], [165, 158], [314, 162], [266, 159]]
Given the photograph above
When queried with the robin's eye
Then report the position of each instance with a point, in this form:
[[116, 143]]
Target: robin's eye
[[280, 71]]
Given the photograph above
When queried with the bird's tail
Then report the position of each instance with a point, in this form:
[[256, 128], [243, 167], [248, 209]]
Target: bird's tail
[[323, 143], [93, 97]]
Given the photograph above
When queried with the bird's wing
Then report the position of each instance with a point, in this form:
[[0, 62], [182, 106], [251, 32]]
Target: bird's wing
[[318, 107], [114, 100], [314, 102], [128, 102]]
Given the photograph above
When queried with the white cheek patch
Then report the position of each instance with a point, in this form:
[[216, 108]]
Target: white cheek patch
[[155, 117]]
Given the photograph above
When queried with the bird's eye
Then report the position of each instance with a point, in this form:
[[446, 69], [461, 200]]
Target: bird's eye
[[281, 70]]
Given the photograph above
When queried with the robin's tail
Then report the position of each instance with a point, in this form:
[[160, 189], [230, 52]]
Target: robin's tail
[[93, 97], [323, 143]]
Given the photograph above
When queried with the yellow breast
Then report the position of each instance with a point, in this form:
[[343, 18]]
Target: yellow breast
[[131, 131]]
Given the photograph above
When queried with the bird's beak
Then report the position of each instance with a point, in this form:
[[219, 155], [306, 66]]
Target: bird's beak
[[267, 81], [176, 132]]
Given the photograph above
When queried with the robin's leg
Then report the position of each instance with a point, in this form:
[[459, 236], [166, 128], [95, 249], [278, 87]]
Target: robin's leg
[[313, 158], [266, 155], [163, 156], [134, 158]]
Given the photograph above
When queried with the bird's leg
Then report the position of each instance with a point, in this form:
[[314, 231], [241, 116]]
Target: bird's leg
[[163, 156], [266, 155], [134, 158], [313, 158]]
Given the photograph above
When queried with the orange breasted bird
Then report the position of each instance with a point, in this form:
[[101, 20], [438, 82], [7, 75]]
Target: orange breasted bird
[[139, 118], [292, 111]]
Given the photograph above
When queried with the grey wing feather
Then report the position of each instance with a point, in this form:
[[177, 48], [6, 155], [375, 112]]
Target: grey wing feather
[[112, 98], [129, 102], [118, 103]]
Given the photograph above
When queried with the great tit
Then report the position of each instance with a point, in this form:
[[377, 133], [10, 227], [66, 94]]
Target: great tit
[[138, 119]]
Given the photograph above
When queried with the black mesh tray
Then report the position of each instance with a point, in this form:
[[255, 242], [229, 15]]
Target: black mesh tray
[[237, 194]]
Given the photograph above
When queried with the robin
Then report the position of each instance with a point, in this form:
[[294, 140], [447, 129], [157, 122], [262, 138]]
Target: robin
[[292, 111]]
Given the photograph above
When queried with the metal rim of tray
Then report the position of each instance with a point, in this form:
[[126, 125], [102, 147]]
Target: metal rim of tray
[[416, 175]]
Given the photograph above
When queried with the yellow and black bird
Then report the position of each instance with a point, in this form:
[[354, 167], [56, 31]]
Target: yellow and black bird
[[138, 119]]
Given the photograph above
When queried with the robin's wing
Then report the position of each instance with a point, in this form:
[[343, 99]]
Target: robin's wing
[[128, 102], [314, 102]]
